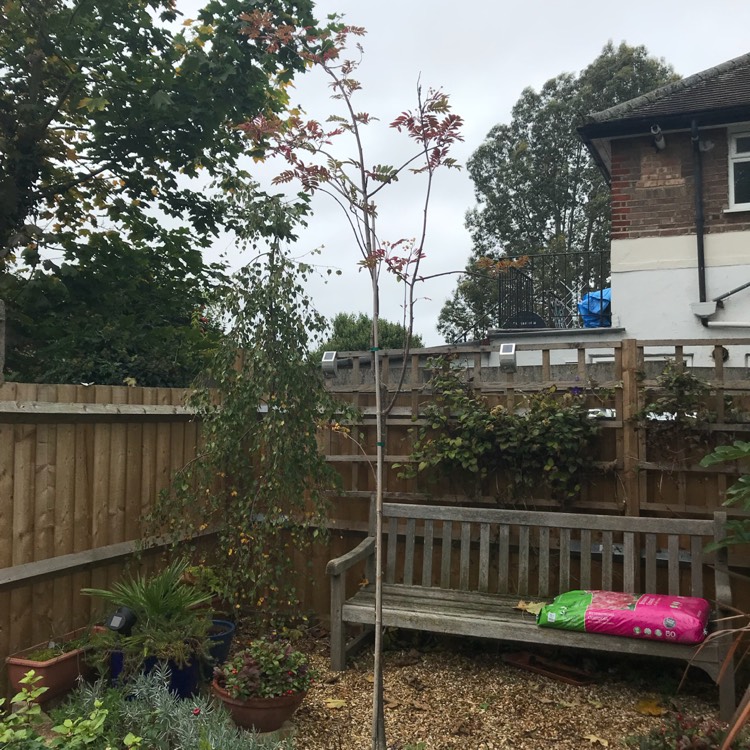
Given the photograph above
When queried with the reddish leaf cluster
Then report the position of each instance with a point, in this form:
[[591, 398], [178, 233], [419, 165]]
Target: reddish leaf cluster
[[495, 267], [304, 145], [261, 26], [396, 264], [434, 127]]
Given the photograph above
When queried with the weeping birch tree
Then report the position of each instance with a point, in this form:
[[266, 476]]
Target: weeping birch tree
[[319, 161]]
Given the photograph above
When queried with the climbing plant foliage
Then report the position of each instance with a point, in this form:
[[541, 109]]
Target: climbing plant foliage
[[676, 414], [545, 442], [738, 495]]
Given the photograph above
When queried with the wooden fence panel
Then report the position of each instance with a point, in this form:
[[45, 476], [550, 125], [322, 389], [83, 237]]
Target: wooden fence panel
[[7, 461], [78, 471]]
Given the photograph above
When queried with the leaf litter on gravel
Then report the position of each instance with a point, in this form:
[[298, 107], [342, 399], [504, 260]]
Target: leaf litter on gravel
[[446, 694]]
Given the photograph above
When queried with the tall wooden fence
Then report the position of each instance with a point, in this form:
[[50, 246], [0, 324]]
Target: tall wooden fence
[[81, 465]]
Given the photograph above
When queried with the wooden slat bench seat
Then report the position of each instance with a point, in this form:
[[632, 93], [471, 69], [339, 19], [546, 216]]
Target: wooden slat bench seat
[[462, 571]]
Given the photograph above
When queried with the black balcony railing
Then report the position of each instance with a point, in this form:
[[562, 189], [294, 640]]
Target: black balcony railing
[[545, 291]]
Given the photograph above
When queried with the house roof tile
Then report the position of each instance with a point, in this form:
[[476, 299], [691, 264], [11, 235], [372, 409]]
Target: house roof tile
[[725, 86]]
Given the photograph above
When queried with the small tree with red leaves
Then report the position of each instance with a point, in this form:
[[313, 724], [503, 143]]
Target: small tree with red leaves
[[314, 162]]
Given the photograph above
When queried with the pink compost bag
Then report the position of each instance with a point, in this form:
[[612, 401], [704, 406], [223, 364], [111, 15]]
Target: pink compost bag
[[673, 619]]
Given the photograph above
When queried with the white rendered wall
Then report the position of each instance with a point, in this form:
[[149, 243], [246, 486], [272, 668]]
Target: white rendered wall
[[655, 280]]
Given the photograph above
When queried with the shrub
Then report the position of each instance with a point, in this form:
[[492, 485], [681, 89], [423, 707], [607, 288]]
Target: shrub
[[148, 710], [266, 669], [546, 442], [680, 732]]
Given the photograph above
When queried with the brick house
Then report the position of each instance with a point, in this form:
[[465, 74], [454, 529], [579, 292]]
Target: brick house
[[678, 162]]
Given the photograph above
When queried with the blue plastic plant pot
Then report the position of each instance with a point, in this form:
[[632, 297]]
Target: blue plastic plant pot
[[183, 681], [220, 637], [115, 666]]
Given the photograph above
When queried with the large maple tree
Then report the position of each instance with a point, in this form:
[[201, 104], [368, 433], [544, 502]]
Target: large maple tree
[[116, 122]]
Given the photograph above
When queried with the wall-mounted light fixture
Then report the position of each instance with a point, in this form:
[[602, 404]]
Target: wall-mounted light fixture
[[508, 357], [659, 143], [329, 365]]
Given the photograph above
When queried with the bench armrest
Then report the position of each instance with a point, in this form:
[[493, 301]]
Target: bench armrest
[[361, 552], [723, 588], [722, 583]]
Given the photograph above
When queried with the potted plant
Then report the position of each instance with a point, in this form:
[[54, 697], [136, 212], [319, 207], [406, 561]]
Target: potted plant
[[206, 579], [163, 625], [264, 684], [58, 663]]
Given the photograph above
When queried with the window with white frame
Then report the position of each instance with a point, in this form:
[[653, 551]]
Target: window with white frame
[[739, 170]]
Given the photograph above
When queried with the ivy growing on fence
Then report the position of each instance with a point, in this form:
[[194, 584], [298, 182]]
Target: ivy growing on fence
[[543, 442]]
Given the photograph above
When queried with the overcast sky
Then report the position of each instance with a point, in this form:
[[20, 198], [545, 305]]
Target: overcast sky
[[483, 53]]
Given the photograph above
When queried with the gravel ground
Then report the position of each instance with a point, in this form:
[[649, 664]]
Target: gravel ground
[[442, 694]]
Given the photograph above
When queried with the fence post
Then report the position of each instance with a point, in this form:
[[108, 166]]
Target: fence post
[[630, 438], [2, 342]]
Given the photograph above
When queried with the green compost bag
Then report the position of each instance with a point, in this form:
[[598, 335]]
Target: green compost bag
[[566, 612]]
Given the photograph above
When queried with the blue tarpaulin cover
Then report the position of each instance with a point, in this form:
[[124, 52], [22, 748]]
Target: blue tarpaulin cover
[[596, 309]]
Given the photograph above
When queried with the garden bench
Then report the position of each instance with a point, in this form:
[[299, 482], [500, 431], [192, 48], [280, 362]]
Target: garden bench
[[462, 571]]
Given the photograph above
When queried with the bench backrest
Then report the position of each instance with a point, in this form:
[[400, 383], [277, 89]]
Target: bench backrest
[[536, 553]]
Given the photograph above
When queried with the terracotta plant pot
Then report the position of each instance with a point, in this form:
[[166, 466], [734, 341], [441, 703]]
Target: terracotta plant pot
[[260, 714], [59, 674]]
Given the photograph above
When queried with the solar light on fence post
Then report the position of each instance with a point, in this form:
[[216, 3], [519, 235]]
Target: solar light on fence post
[[329, 364], [508, 357]]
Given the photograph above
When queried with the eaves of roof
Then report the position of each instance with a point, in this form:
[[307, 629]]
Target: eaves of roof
[[639, 125], [717, 96]]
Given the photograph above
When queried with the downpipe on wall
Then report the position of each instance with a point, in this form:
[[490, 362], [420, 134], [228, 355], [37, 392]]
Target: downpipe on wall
[[699, 213], [704, 309]]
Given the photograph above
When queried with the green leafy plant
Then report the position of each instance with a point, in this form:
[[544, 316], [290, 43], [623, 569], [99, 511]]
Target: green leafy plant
[[267, 668], [18, 727], [81, 731], [679, 732], [676, 413], [169, 626], [458, 435], [145, 713], [205, 578], [547, 441], [738, 532], [260, 478], [738, 494]]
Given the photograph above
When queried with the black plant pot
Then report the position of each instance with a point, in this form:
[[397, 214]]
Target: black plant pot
[[220, 636]]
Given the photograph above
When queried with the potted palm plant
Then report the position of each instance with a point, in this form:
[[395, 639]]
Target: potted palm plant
[[264, 684], [166, 625]]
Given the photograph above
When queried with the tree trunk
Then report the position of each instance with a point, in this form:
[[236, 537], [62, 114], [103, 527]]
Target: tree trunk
[[2, 342], [378, 716]]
